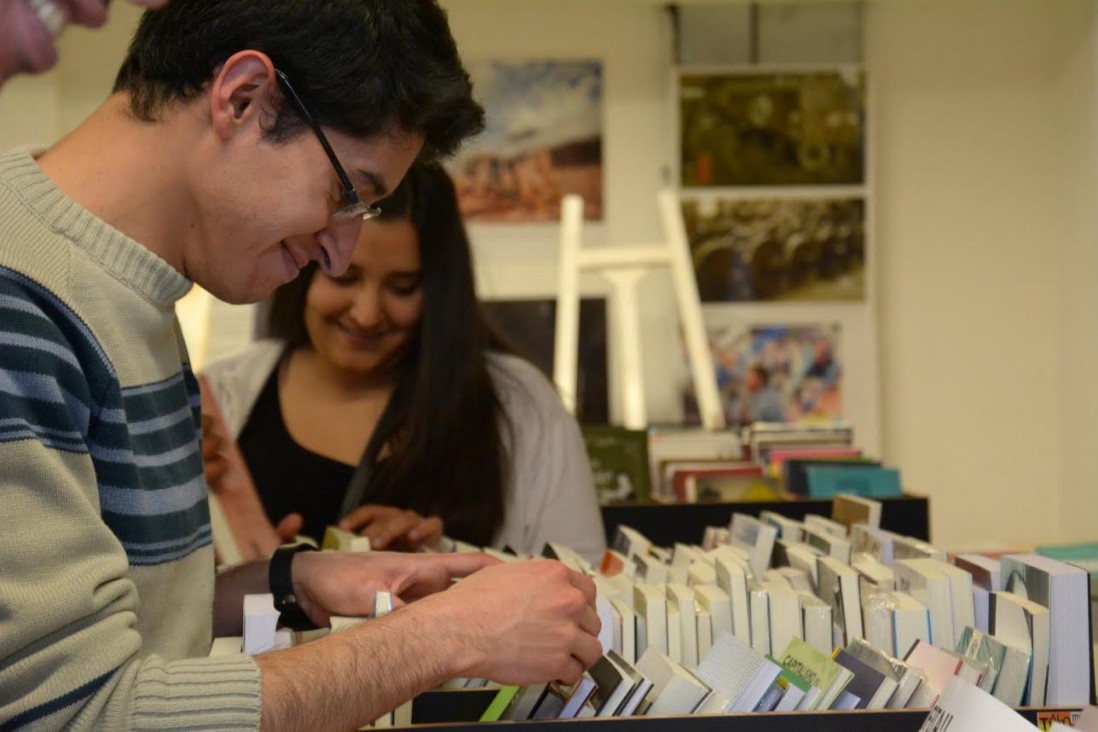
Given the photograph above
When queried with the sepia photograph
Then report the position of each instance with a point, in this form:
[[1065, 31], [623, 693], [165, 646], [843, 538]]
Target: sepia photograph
[[804, 250], [543, 140], [771, 129], [773, 373]]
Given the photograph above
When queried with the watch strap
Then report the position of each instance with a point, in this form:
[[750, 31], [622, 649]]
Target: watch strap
[[281, 583]]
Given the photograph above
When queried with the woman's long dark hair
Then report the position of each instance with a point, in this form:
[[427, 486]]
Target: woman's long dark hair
[[446, 454]]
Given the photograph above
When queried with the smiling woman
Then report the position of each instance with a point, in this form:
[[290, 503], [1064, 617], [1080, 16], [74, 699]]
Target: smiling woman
[[386, 404]]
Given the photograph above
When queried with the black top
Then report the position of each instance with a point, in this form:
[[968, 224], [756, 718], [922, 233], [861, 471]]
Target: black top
[[289, 478]]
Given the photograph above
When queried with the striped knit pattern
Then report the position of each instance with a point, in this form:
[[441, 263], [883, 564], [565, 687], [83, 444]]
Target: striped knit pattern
[[106, 569]]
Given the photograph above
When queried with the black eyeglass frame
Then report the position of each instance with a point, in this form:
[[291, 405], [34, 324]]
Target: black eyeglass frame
[[356, 207]]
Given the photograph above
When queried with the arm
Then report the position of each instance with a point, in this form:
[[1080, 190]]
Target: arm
[[513, 623]]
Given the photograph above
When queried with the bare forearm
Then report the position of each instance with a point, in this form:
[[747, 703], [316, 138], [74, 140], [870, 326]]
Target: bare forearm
[[231, 586], [347, 680]]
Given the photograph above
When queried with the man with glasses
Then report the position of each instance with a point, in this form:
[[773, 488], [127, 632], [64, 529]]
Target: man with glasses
[[243, 140]]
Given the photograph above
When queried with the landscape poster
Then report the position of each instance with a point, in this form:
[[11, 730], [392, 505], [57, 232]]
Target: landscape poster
[[543, 140]]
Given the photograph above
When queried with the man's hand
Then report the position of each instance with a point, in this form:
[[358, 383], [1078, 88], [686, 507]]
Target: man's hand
[[341, 583], [519, 623], [93, 13], [393, 528]]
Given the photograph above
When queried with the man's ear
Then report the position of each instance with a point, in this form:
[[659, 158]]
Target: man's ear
[[240, 94]]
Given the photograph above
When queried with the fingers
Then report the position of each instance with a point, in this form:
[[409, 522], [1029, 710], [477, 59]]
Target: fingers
[[585, 585], [361, 516], [92, 13], [391, 529], [427, 533], [290, 526]]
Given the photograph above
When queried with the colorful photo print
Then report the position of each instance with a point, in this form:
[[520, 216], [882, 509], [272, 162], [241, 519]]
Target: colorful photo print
[[772, 129], [543, 140], [774, 373], [777, 250]]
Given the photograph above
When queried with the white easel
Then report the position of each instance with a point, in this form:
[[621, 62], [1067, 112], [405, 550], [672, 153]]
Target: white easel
[[624, 267]]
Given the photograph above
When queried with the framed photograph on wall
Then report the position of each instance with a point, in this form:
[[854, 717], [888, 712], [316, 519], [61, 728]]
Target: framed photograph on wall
[[772, 128], [775, 373], [543, 139], [777, 249]]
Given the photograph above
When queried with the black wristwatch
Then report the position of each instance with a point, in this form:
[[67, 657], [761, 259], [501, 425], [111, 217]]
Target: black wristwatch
[[280, 579]]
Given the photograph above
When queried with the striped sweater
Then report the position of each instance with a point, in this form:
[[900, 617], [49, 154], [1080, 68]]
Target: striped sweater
[[106, 567]]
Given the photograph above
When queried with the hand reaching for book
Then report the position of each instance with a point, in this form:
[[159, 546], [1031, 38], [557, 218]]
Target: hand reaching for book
[[393, 528], [522, 623], [341, 583]]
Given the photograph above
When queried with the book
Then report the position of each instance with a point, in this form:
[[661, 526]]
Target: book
[[871, 482], [817, 669], [689, 444], [878, 606], [715, 601], [964, 708], [736, 671], [1025, 624], [816, 617], [614, 682], [576, 697], [629, 542], [873, 571], [875, 543], [785, 614], [759, 605], [788, 529], [340, 540], [1065, 590], [628, 649], [724, 481], [827, 543], [731, 576], [526, 700], [931, 587], [906, 678], [938, 666], [1008, 666], [986, 571], [682, 598], [799, 556], [675, 690], [501, 702], [619, 463], [910, 623], [775, 458], [850, 511], [826, 525], [795, 471], [873, 688], [838, 587], [755, 536]]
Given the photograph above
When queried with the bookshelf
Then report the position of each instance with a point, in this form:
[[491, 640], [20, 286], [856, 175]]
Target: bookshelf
[[459, 710], [666, 524]]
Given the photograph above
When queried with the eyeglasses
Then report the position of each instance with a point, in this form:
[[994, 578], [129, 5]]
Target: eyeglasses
[[355, 207]]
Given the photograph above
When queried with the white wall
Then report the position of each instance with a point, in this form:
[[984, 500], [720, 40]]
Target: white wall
[[985, 180], [986, 232]]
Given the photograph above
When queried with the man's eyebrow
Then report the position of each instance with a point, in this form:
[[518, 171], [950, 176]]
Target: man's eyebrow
[[372, 183]]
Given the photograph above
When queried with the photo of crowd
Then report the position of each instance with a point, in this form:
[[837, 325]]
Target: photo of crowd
[[774, 374]]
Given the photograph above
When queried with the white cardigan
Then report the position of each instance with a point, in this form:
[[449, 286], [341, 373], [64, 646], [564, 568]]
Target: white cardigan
[[549, 492]]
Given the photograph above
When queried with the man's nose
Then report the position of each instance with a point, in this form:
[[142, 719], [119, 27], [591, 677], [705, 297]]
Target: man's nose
[[339, 241]]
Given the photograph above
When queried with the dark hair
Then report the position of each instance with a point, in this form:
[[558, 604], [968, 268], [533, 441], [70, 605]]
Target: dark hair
[[363, 67], [446, 448]]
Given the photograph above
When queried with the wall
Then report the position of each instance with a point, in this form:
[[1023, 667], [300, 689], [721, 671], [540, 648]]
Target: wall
[[987, 239], [985, 123]]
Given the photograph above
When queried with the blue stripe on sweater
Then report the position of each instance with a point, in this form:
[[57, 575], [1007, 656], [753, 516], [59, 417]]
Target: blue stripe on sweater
[[58, 388], [40, 712]]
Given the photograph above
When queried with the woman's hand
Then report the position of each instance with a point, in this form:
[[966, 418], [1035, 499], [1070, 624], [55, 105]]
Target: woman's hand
[[393, 528], [229, 480]]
